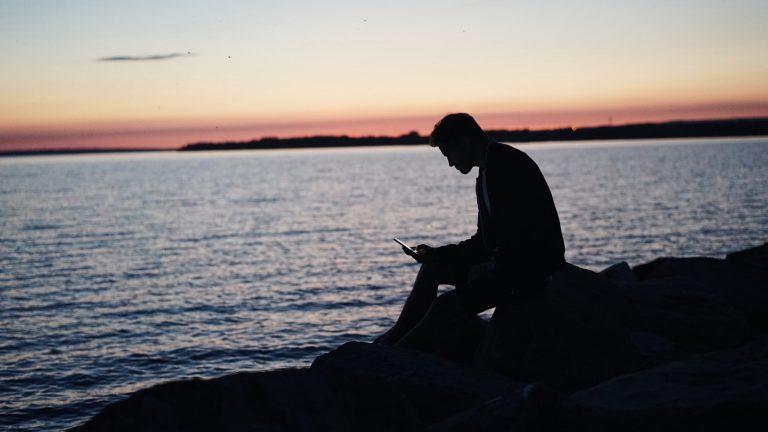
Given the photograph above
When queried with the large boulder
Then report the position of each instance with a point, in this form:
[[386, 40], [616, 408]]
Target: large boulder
[[356, 387], [572, 336], [426, 388], [244, 401], [458, 339], [536, 411], [678, 309], [719, 391], [756, 257], [741, 283]]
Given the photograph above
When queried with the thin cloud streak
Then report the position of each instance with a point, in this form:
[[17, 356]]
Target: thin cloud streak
[[144, 58]]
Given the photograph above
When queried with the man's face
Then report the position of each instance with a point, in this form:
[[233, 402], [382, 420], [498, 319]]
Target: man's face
[[458, 156]]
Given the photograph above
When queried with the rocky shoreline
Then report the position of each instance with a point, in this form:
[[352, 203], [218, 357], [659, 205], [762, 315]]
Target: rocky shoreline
[[672, 345]]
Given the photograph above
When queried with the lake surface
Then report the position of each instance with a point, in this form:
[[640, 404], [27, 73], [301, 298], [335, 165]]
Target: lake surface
[[119, 271]]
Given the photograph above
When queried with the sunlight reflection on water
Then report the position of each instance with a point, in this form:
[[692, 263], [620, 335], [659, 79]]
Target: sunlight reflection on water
[[120, 271]]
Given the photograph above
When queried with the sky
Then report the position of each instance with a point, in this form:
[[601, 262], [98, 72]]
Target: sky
[[161, 74]]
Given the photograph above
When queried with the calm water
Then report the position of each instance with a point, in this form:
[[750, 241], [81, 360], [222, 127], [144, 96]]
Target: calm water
[[122, 271]]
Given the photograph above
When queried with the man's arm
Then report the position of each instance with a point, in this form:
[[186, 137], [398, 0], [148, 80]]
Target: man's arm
[[469, 250]]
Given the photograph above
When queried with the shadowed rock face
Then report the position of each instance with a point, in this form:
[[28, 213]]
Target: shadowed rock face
[[675, 344], [739, 281], [683, 311], [573, 336], [725, 390], [356, 387], [234, 402], [754, 257]]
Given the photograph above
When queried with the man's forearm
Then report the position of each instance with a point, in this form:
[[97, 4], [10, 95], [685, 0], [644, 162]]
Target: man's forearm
[[469, 250]]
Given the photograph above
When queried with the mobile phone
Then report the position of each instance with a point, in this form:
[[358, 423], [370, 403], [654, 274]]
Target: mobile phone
[[408, 250]]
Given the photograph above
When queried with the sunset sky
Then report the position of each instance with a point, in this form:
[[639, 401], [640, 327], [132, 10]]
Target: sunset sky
[[166, 73]]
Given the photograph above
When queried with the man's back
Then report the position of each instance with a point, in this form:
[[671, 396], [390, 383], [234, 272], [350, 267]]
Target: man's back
[[523, 226]]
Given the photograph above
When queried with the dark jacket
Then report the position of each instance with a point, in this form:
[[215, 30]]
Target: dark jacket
[[522, 233]]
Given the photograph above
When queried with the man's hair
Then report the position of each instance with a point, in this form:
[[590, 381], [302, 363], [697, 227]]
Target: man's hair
[[451, 128]]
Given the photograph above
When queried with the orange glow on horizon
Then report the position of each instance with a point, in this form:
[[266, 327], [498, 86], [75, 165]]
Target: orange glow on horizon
[[173, 134]]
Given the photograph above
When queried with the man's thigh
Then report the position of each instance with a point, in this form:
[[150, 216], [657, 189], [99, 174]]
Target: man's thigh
[[481, 291], [447, 273]]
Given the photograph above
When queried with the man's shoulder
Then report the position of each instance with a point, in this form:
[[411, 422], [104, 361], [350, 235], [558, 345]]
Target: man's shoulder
[[506, 156]]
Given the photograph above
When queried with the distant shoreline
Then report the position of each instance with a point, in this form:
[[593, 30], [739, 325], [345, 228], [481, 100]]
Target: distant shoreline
[[672, 129], [741, 127]]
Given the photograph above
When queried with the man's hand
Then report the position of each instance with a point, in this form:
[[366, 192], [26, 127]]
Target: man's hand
[[424, 254]]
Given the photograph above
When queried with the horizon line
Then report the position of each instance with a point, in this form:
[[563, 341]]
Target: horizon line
[[97, 149]]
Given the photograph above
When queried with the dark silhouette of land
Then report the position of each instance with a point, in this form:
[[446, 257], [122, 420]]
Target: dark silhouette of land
[[313, 141], [674, 129]]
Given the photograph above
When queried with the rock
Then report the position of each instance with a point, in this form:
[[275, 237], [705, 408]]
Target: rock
[[619, 272], [355, 387], [680, 310], [572, 337], [718, 391], [535, 412], [743, 285], [458, 339], [430, 388], [756, 257], [652, 345], [231, 403]]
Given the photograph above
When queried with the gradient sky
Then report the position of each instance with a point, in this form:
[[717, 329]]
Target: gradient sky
[[165, 73]]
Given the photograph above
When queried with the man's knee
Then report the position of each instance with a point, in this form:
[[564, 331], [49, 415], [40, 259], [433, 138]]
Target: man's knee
[[447, 304]]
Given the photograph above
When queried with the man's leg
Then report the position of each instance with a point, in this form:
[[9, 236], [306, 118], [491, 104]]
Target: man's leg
[[422, 295], [454, 307], [445, 308]]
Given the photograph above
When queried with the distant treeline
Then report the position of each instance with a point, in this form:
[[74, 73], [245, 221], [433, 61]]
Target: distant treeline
[[675, 129], [314, 141]]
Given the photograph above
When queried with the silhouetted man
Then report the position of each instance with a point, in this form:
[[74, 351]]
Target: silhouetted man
[[518, 243]]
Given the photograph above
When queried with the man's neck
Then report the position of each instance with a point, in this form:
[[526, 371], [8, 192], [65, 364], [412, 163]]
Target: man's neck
[[482, 154]]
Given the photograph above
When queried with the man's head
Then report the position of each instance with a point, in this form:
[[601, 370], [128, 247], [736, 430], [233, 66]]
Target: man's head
[[461, 140]]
